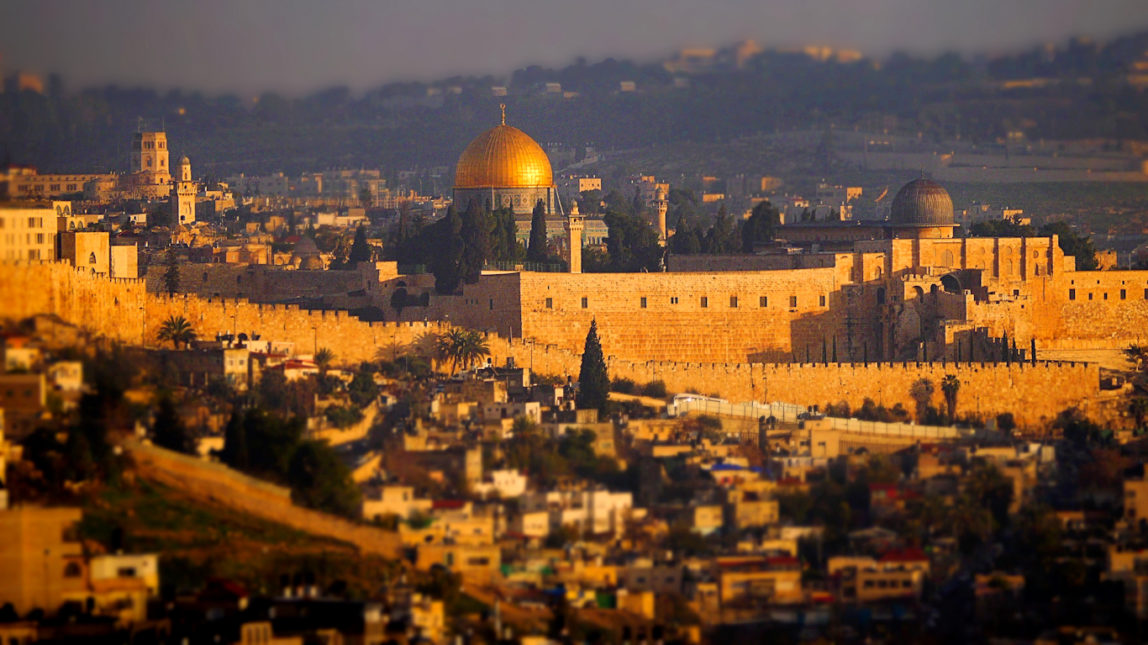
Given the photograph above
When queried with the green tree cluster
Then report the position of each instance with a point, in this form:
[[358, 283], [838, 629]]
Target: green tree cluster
[[272, 447], [632, 245], [457, 247]]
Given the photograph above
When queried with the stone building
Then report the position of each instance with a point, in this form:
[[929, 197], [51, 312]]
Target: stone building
[[27, 232], [150, 175]]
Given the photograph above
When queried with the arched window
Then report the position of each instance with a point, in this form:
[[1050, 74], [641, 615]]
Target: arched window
[[948, 258], [91, 258]]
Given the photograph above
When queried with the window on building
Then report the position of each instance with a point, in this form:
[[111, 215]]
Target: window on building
[[643, 302], [821, 301], [674, 299], [763, 301], [733, 302], [492, 304], [705, 302], [72, 570], [91, 258], [550, 303], [1105, 295], [792, 301], [585, 302], [1090, 296], [1072, 294]]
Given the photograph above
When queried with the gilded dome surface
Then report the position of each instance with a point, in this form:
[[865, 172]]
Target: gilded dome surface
[[503, 157], [922, 202]]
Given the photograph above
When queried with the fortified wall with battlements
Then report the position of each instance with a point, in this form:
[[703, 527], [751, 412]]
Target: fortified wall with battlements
[[908, 299], [124, 310]]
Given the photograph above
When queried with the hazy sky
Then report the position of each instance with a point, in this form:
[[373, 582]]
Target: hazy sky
[[295, 46]]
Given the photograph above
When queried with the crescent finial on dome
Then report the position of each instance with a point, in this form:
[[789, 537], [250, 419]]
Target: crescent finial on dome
[[502, 107]]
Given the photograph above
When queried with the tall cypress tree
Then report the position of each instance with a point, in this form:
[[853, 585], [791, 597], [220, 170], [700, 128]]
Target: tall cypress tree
[[537, 251], [720, 238], [171, 276], [234, 452], [504, 245], [168, 430], [360, 250], [593, 381], [475, 242], [760, 226], [446, 265]]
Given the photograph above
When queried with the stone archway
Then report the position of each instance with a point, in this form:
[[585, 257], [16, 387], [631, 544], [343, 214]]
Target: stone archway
[[951, 283]]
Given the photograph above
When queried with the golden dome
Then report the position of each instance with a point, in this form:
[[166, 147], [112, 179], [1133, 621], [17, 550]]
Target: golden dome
[[503, 157]]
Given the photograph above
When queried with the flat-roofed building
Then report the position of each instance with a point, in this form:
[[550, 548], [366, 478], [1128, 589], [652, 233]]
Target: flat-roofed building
[[42, 563], [27, 232]]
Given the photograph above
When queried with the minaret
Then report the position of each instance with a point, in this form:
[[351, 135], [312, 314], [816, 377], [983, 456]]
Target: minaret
[[183, 195], [574, 223], [662, 205]]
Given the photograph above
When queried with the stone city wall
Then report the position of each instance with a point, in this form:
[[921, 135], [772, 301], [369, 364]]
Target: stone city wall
[[125, 311], [708, 317], [256, 282], [1034, 394], [218, 484]]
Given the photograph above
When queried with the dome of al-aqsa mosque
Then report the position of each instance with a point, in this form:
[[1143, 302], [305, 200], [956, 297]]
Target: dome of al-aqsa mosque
[[507, 168], [922, 202]]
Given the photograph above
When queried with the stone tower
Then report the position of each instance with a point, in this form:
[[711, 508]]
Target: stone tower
[[662, 205], [574, 224], [183, 195], [149, 153], [150, 175]]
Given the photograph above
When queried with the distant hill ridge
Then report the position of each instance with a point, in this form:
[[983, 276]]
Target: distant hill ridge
[[410, 125]]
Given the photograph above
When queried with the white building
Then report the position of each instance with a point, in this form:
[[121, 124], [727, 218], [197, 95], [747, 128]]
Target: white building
[[598, 511]]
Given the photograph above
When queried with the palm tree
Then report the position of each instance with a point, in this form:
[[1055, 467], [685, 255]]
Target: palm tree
[[323, 359], [473, 348], [462, 347], [447, 346], [921, 392], [950, 385], [177, 330]]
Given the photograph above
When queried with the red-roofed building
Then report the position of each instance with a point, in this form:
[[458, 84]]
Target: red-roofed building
[[886, 499]]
